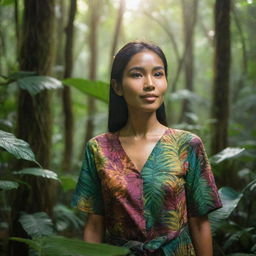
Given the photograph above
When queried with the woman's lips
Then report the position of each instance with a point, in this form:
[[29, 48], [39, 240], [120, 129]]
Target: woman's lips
[[149, 97]]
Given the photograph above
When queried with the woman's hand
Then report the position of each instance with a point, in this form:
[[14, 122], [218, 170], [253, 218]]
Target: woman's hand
[[94, 229], [200, 230]]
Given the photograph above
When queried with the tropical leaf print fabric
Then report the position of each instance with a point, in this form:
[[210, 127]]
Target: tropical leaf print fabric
[[148, 210]]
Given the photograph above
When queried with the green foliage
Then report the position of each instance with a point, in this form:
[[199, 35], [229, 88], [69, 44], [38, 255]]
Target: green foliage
[[19, 75], [68, 182], [37, 225], [230, 198], [225, 154], [36, 84], [234, 222], [6, 2], [38, 172], [66, 218], [31, 82], [8, 185], [19, 148], [61, 246], [97, 89]]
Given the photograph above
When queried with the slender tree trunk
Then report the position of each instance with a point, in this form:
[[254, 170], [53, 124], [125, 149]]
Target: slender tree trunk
[[34, 114], [189, 9], [220, 103], [94, 20], [117, 29], [3, 66], [66, 97], [17, 28], [60, 26]]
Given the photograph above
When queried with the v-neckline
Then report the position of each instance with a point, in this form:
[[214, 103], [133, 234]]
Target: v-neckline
[[130, 160]]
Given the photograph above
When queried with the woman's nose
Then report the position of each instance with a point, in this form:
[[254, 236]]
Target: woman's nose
[[149, 88], [148, 85]]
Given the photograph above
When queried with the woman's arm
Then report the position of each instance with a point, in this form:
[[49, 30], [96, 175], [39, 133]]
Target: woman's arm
[[200, 230], [94, 229]]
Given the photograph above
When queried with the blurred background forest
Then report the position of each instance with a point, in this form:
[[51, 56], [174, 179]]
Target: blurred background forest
[[55, 59]]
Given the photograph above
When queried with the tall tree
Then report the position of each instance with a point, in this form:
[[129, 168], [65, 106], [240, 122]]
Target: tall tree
[[93, 38], [220, 103], [189, 11], [117, 29], [66, 96], [34, 112]]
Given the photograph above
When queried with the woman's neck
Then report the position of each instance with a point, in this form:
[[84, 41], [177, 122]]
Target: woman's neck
[[141, 124]]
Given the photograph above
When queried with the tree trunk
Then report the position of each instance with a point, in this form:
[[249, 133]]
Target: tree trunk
[[220, 104], [117, 29], [17, 28], [34, 115], [60, 26], [66, 96], [94, 20], [189, 10]]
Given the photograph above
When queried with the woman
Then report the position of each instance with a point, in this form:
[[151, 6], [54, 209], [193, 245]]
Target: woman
[[149, 186]]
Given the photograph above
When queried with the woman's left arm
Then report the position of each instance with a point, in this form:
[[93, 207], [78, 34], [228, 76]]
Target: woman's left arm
[[200, 230]]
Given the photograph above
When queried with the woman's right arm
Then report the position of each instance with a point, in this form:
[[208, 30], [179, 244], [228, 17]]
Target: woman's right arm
[[94, 229]]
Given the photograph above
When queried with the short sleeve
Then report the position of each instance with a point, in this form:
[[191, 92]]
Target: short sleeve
[[201, 191], [87, 196]]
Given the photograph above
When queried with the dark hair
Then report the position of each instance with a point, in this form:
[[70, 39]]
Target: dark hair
[[118, 111]]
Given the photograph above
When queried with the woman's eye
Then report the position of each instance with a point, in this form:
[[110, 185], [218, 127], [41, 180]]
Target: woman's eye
[[159, 74], [136, 75]]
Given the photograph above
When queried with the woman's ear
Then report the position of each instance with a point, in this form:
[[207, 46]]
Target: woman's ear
[[116, 87]]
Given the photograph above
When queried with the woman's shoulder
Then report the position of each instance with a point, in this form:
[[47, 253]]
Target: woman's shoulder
[[102, 138], [187, 137]]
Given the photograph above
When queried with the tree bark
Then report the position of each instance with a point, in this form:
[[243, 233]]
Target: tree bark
[[222, 59], [94, 20], [117, 29], [34, 114], [189, 11], [60, 26], [66, 96], [17, 27]]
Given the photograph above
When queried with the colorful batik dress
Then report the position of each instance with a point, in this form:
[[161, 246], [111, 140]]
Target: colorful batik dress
[[148, 211]]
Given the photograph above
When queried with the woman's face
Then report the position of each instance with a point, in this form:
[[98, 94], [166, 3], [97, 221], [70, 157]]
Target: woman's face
[[144, 82]]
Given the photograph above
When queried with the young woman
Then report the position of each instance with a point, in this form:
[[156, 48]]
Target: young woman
[[149, 186]]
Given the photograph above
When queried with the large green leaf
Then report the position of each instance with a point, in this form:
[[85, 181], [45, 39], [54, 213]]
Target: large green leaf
[[230, 198], [97, 89], [8, 185], [19, 148], [38, 172], [61, 246], [37, 225], [226, 153], [35, 244], [35, 84], [68, 182], [66, 217]]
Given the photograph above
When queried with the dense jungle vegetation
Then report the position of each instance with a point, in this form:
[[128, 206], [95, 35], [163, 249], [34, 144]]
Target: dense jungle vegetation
[[55, 58]]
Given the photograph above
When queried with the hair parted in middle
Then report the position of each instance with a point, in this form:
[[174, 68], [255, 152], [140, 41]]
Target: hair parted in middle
[[118, 111]]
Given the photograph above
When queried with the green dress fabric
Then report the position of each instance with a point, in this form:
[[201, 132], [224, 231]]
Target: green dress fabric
[[148, 210]]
